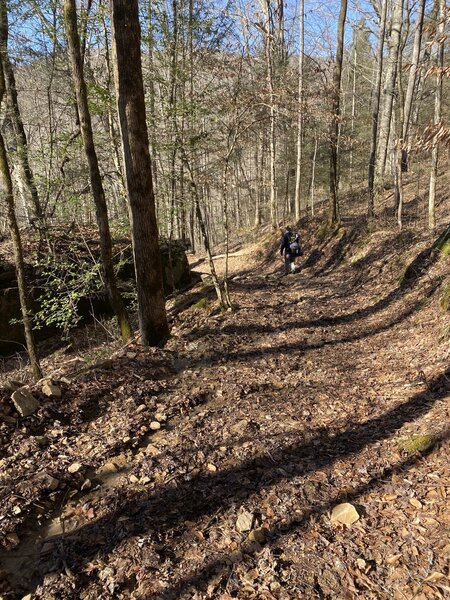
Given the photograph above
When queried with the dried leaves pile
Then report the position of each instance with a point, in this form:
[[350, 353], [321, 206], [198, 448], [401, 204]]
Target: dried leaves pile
[[214, 468]]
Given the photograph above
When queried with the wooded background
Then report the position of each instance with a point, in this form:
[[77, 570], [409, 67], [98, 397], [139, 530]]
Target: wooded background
[[235, 112]]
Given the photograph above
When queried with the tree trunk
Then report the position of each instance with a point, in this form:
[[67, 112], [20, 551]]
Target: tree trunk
[[376, 109], [101, 210], [412, 79], [6, 192], [335, 113], [389, 92], [313, 175], [268, 45], [437, 114], [28, 183], [298, 176], [138, 169]]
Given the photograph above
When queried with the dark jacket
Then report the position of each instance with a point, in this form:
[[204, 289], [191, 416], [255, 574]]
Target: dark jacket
[[285, 244]]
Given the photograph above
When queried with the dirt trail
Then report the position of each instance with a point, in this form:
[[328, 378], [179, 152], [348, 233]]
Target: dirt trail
[[299, 400]]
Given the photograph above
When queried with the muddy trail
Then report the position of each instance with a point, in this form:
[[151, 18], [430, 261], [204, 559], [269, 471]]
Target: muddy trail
[[211, 468]]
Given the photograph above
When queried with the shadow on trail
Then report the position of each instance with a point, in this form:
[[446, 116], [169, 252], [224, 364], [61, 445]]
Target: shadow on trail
[[205, 494], [290, 347], [223, 565]]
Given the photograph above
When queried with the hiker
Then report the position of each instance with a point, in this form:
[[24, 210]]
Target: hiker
[[290, 249]]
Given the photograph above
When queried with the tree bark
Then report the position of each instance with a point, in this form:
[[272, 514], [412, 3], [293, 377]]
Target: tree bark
[[6, 192], [138, 169], [376, 110], [101, 209], [298, 175], [412, 80], [389, 92], [28, 183], [437, 114], [335, 113]]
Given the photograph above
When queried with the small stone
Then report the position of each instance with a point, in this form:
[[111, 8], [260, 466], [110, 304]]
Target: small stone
[[87, 484], [17, 510], [51, 390], [154, 425], [27, 597], [344, 513], [131, 355], [75, 467], [223, 449], [145, 480], [244, 521], [50, 483], [212, 468], [126, 440], [107, 469], [40, 440], [160, 417], [141, 408], [134, 479], [258, 535], [25, 403], [239, 427], [274, 586], [151, 450], [12, 385]]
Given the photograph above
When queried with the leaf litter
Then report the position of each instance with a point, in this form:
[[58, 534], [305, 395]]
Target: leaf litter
[[212, 468]]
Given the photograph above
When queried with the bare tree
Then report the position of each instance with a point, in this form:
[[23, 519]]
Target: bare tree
[[437, 113], [298, 176], [335, 113], [70, 18], [133, 126], [389, 91], [6, 192], [28, 184]]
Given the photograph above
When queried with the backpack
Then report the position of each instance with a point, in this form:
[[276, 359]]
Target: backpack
[[294, 244]]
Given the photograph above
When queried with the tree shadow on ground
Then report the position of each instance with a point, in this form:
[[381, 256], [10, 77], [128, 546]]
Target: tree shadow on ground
[[416, 270], [224, 565], [206, 493]]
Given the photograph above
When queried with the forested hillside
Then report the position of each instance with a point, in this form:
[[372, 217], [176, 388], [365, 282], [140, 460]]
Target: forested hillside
[[224, 299]]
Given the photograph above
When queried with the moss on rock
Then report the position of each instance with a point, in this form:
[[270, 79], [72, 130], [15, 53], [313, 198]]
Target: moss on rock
[[418, 443]]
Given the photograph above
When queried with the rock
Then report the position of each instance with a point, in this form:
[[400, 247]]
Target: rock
[[51, 390], [25, 403], [107, 469], [131, 355], [344, 513], [154, 425], [418, 443], [49, 482], [75, 467], [87, 484], [40, 440], [12, 385], [160, 417], [152, 450], [239, 427], [141, 408], [211, 467], [244, 521], [258, 535], [134, 479]]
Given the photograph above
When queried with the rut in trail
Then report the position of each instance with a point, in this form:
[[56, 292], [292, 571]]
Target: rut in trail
[[304, 397]]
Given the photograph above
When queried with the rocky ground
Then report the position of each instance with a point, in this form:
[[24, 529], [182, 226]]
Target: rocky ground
[[216, 467]]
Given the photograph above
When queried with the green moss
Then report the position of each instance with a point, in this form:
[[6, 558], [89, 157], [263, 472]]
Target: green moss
[[201, 304], [445, 249], [445, 298], [418, 443]]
